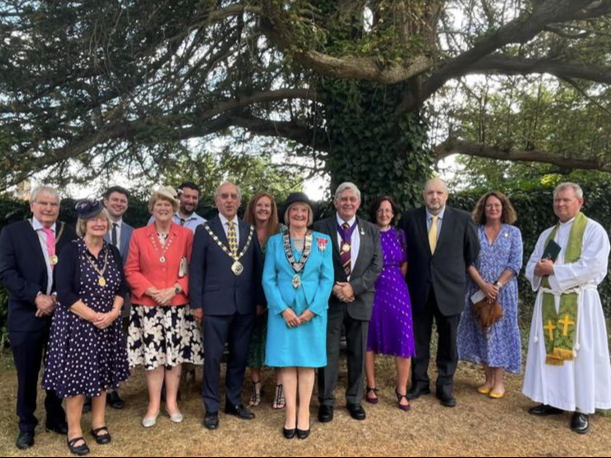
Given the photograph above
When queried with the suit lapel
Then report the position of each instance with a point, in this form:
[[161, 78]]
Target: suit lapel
[[244, 229], [125, 235], [217, 227], [422, 226], [332, 231], [362, 245], [448, 218], [33, 240]]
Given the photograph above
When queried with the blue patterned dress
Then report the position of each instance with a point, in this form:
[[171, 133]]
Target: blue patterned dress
[[500, 346]]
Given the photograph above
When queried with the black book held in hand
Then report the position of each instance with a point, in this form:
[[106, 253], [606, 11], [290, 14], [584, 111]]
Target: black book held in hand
[[552, 250]]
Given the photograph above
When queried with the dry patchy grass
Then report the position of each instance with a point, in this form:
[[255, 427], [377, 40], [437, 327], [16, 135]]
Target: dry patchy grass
[[478, 426]]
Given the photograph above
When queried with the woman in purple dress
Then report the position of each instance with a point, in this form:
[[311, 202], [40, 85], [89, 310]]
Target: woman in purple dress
[[390, 328]]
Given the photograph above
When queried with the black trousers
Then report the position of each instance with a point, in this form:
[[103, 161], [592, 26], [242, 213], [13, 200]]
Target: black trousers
[[28, 352], [356, 341], [447, 353], [235, 330]]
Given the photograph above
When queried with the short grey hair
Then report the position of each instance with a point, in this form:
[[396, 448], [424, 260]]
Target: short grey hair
[[218, 190], [568, 185], [44, 189], [345, 186]]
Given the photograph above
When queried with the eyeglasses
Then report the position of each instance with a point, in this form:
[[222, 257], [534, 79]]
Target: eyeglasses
[[229, 195]]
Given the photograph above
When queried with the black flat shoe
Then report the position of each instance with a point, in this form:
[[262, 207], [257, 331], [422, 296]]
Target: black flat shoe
[[114, 400], [78, 450], [543, 410], [356, 411], [289, 433], [416, 391], [211, 421], [303, 433], [446, 399], [57, 428], [580, 423], [25, 440], [325, 414], [239, 411], [101, 439]]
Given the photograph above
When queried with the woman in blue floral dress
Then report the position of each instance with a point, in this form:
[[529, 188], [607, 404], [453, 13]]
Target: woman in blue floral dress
[[498, 348]]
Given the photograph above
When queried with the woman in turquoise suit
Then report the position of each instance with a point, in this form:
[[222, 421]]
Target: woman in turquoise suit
[[297, 279]]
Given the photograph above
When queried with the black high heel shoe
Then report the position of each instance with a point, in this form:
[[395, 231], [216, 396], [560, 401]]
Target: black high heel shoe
[[289, 433], [303, 433]]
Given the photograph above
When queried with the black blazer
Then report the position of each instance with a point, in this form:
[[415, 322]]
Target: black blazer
[[446, 270], [212, 284], [23, 273], [366, 270]]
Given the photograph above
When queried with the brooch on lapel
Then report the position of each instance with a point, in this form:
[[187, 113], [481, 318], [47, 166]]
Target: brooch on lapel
[[322, 243], [362, 231]]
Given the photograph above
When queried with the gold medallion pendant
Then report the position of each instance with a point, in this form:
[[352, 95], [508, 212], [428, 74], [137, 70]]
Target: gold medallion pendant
[[345, 248], [102, 282], [237, 268]]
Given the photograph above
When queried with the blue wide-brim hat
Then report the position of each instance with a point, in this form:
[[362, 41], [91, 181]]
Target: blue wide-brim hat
[[88, 208]]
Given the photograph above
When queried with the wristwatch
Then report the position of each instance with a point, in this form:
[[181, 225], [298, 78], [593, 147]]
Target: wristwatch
[[498, 283]]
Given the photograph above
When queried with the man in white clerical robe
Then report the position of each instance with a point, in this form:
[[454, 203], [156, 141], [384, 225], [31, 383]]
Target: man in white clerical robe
[[568, 368]]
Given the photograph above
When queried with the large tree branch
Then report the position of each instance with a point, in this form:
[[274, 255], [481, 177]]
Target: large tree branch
[[455, 146], [276, 28], [291, 130], [263, 97], [515, 65], [520, 30]]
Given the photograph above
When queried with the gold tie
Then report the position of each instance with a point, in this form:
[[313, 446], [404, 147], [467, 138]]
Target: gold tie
[[433, 234], [232, 238]]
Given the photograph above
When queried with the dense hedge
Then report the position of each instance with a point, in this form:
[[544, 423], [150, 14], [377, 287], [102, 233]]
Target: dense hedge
[[534, 208]]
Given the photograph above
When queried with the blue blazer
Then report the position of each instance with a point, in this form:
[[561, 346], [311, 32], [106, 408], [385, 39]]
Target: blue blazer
[[23, 273], [126, 236], [316, 279], [212, 284]]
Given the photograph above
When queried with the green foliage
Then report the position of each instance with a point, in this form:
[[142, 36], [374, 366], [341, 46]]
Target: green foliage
[[372, 145]]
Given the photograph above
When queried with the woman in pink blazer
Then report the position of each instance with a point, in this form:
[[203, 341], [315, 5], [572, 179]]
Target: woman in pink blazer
[[162, 331]]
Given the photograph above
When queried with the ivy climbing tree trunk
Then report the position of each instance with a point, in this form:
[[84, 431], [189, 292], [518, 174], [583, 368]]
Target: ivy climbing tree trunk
[[373, 144]]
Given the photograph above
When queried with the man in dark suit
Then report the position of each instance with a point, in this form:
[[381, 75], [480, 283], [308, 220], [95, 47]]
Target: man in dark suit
[[225, 288], [29, 251], [357, 262], [116, 201], [441, 244]]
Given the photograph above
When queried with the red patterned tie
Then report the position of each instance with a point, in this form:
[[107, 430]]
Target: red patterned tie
[[346, 255]]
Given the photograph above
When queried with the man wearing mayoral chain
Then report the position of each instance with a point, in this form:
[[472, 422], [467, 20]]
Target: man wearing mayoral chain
[[225, 276]]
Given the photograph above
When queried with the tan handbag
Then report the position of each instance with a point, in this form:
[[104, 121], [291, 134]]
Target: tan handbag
[[487, 313]]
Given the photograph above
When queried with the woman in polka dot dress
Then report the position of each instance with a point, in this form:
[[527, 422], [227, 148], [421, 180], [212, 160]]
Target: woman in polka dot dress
[[87, 354]]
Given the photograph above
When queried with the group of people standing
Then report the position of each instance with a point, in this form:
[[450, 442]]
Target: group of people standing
[[281, 295]]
